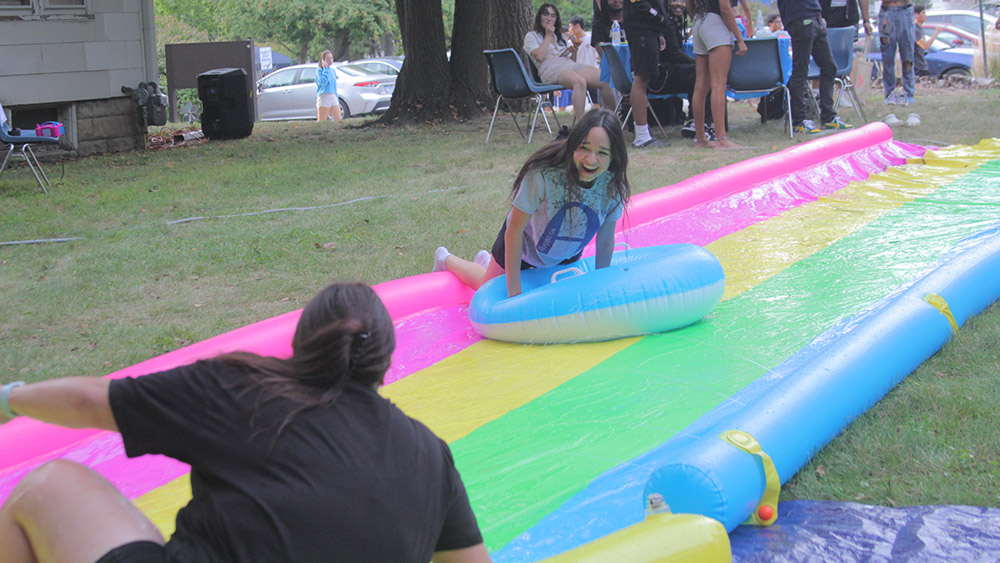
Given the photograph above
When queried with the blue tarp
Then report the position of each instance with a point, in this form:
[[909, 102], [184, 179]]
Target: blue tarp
[[846, 531]]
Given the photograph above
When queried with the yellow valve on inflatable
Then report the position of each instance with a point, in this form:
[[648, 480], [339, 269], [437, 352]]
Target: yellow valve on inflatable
[[661, 537], [940, 304], [767, 509]]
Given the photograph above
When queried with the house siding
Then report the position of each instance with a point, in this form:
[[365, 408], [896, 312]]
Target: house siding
[[77, 64]]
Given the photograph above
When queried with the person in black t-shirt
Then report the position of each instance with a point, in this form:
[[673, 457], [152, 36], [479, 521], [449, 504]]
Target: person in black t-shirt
[[296, 459]]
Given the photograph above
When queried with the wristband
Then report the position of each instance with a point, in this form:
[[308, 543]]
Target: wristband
[[5, 398]]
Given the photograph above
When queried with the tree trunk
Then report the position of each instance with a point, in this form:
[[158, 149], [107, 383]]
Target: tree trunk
[[340, 46], [470, 75], [509, 22], [421, 92]]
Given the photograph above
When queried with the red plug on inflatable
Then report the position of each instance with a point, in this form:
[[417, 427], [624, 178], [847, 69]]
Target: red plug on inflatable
[[765, 513]]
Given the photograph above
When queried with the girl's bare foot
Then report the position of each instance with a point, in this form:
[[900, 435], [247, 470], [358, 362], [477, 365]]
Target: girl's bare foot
[[724, 144], [702, 145]]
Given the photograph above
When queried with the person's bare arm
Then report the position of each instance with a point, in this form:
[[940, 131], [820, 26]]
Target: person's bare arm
[[926, 43], [474, 554], [729, 18], [513, 250], [865, 20], [74, 402]]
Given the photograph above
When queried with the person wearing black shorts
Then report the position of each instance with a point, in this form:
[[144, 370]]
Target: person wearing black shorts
[[644, 26]]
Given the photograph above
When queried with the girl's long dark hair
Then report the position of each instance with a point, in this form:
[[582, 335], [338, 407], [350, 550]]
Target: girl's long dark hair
[[344, 334], [559, 154], [701, 7], [540, 29]]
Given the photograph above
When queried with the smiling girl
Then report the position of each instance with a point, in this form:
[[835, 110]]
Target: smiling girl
[[568, 192]]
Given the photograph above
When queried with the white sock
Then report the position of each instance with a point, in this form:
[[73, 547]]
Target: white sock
[[642, 133], [440, 255]]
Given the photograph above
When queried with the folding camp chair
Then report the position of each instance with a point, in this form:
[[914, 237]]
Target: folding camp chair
[[512, 81], [24, 140]]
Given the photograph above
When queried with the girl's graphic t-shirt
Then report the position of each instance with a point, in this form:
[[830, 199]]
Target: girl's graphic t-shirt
[[559, 229]]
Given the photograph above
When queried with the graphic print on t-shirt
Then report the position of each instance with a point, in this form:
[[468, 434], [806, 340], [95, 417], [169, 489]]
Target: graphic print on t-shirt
[[550, 237]]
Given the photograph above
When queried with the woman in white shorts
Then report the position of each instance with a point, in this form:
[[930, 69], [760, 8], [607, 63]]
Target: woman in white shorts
[[712, 33], [555, 59], [327, 102]]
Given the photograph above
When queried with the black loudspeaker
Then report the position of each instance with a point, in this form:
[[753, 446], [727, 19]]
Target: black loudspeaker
[[225, 102]]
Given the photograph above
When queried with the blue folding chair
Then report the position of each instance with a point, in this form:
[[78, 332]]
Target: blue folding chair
[[24, 140], [511, 80], [759, 72]]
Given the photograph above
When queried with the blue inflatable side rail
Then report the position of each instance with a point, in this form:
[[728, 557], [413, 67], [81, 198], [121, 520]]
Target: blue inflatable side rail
[[792, 411], [802, 410]]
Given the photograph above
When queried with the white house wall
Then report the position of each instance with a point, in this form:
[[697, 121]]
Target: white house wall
[[74, 59]]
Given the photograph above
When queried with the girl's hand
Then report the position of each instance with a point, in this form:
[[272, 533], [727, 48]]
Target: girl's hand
[[741, 47]]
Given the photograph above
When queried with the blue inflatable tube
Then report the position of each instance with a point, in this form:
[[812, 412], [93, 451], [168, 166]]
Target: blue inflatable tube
[[643, 291], [806, 402]]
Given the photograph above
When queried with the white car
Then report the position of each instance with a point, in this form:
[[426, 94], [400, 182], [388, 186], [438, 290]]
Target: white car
[[290, 93], [962, 19]]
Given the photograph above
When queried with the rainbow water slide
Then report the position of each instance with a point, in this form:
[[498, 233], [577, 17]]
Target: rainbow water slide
[[849, 261]]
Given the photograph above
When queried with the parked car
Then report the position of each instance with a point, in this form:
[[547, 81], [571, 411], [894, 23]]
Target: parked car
[[383, 65], [955, 36], [290, 93], [942, 59], [962, 19]]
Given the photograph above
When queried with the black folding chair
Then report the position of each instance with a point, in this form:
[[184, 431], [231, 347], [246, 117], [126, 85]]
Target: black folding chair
[[511, 80], [621, 79]]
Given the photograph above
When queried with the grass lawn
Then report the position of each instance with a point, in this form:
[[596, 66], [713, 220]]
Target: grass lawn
[[174, 246]]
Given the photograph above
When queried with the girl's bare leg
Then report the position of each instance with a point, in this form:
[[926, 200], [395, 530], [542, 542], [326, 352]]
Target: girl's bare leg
[[701, 86], [322, 113], [472, 274], [63, 511], [336, 114]]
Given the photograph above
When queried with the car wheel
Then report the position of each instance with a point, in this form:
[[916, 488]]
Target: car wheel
[[344, 111], [956, 72]]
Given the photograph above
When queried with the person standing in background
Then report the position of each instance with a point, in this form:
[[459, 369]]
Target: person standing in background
[[327, 102], [922, 43], [845, 13], [895, 28]]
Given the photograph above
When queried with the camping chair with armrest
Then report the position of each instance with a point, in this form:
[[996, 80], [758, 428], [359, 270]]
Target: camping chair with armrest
[[621, 79], [24, 140], [511, 80], [842, 46], [759, 72]]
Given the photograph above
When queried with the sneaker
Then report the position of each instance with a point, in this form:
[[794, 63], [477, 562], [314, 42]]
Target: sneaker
[[483, 258], [912, 120], [687, 131], [891, 120], [836, 124], [440, 255], [911, 100], [709, 132], [651, 143], [807, 126]]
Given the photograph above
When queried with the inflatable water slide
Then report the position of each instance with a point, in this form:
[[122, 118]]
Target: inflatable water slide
[[848, 260]]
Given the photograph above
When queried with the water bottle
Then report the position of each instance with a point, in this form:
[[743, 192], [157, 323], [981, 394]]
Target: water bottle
[[616, 33], [760, 21]]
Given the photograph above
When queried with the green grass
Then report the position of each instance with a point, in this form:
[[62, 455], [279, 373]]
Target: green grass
[[136, 285]]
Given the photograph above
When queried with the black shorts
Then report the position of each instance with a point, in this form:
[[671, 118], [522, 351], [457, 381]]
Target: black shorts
[[499, 253], [645, 49], [136, 552]]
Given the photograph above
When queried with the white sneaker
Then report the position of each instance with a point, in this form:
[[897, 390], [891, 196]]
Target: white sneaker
[[440, 255], [483, 258], [891, 120], [912, 120]]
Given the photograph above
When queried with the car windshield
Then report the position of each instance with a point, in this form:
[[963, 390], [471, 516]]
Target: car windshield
[[355, 70]]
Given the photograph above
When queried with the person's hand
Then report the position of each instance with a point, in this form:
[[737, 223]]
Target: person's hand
[[663, 43], [868, 28], [741, 47]]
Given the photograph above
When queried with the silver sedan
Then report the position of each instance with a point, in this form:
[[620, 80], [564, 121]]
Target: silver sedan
[[290, 93]]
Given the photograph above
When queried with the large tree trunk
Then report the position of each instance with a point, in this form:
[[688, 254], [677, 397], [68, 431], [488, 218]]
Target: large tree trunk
[[421, 92], [470, 75], [340, 46], [509, 22]]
